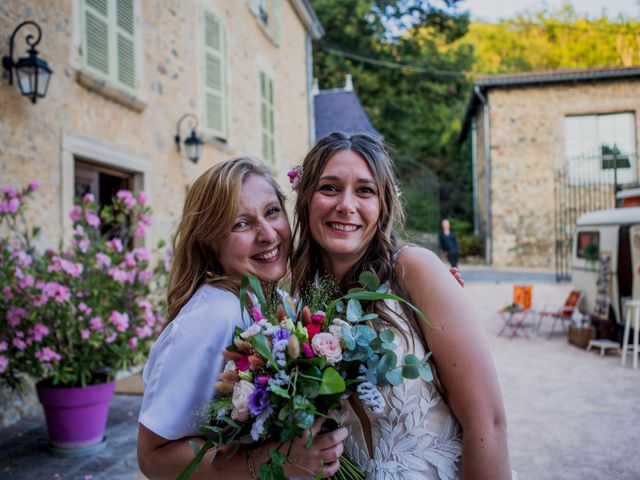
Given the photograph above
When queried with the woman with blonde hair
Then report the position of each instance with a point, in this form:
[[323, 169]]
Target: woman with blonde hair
[[454, 426], [233, 223]]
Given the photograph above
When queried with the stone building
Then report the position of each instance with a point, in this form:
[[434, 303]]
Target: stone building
[[125, 72], [547, 146]]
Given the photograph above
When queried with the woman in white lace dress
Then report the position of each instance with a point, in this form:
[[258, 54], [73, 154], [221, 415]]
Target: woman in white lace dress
[[453, 427]]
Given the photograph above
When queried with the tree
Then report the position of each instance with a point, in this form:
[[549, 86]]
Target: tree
[[412, 83], [547, 39]]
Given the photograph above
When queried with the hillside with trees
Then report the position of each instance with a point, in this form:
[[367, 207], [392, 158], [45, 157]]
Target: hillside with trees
[[413, 63]]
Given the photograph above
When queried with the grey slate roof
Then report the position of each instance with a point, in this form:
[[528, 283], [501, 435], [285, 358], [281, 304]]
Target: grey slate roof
[[340, 110], [527, 79]]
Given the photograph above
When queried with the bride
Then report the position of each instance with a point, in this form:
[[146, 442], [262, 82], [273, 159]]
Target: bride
[[452, 427]]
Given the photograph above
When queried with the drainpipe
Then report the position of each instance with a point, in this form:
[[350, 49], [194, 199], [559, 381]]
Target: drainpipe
[[474, 172], [310, 91], [487, 174]]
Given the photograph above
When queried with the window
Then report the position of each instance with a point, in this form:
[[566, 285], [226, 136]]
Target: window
[[267, 13], [588, 245], [601, 148], [214, 76], [266, 118], [109, 46]]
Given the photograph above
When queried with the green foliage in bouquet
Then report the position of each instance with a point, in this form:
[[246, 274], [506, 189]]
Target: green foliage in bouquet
[[296, 364]]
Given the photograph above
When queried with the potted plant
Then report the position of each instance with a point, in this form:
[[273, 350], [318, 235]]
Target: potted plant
[[74, 316]]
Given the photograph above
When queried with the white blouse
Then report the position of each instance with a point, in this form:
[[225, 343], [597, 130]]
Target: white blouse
[[185, 361]]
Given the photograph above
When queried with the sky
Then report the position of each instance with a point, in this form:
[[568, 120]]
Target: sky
[[494, 10]]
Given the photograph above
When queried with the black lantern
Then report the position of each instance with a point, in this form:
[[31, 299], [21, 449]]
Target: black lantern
[[193, 143], [32, 73]]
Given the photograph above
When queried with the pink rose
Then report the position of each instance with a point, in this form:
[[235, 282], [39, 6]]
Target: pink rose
[[327, 345]]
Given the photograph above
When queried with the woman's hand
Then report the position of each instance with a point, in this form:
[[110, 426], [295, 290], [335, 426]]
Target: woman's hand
[[457, 275], [322, 458]]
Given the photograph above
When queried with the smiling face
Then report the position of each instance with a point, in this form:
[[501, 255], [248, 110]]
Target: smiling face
[[260, 238], [344, 210]]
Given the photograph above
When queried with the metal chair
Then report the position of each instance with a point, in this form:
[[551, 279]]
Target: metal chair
[[563, 314], [516, 314]]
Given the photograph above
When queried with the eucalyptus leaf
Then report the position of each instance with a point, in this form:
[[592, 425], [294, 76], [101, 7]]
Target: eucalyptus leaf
[[425, 372], [347, 337], [374, 296], [354, 310], [369, 280], [410, 369], [363, 334], [369, 316], [387, 336], [388, 346], [394, 377]]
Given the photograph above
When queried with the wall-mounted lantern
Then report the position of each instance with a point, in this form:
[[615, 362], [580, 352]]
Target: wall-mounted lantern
[[32, 73], [193, 143]]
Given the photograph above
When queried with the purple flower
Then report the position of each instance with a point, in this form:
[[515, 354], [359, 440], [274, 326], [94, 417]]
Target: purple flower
[[281, 334], [34, 185], [257, 401]]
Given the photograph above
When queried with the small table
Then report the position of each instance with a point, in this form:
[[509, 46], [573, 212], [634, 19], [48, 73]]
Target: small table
[[604, 345]]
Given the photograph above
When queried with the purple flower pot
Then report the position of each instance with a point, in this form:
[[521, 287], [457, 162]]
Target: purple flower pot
[[76, 417]]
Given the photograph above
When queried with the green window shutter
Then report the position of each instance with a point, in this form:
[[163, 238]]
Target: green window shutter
[[109, 45], [266, 118], [125, 43], [215, 111], [96, 36]]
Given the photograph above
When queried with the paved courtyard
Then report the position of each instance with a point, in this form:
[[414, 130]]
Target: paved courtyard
[[572, 414]]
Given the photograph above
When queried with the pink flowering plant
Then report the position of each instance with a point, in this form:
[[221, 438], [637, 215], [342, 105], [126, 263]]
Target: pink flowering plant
[[75, 316], [294, 365]]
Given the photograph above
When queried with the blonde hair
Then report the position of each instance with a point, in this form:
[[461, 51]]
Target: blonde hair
[[208, 214]]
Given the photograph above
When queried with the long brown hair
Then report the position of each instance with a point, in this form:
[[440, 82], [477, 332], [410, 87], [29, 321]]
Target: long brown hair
[[207, 216], [379, 257]]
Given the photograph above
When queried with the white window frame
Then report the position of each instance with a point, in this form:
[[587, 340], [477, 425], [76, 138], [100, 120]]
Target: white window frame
[[586, 137]]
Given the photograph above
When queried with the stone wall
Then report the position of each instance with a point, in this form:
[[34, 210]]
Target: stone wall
[[42, 141], [527, 145]]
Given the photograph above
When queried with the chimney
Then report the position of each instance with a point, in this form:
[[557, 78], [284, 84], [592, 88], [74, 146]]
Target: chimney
[[348, 84]]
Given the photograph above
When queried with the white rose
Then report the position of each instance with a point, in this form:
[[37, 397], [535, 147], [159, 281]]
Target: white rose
[[241, 392], [327, 345], [336, 329]]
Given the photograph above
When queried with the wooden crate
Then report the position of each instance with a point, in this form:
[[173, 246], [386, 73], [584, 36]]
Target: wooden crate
[[580, 336]]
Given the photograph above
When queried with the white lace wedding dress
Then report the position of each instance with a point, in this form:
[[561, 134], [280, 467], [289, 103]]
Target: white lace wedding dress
[[417, 436]]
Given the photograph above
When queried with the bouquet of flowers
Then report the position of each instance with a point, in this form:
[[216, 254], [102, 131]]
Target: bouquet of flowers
[[76, 315], [293, 365]]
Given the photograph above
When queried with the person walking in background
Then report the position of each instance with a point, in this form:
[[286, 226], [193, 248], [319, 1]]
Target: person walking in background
[[449, 243]]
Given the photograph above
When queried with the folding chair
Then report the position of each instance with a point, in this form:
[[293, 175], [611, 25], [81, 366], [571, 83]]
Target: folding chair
[[563, 314], [514, 315]]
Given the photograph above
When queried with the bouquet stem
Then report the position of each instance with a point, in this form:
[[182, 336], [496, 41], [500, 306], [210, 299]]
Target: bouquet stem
[[349, 470]]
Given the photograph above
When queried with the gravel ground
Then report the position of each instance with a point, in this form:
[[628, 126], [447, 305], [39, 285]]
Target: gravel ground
[[571, 413]]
